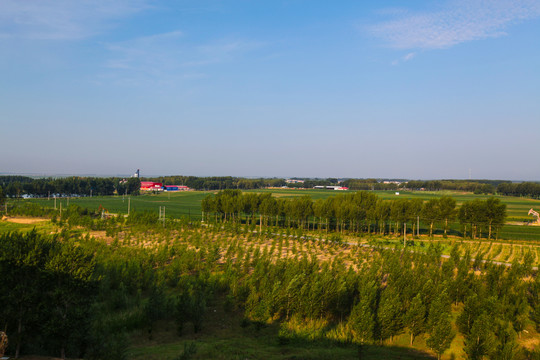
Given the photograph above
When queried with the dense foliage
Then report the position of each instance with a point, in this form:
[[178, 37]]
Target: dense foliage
[[79, 297], [476, 186], [530, 189]]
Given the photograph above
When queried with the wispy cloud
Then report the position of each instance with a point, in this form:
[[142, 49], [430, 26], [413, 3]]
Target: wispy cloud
[[456, 22], [170, 55], [405, 58], [154, 51], [62, 19]]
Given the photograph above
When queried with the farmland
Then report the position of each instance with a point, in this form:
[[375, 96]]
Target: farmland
[[185, 203], [188, 204], [211, 260]]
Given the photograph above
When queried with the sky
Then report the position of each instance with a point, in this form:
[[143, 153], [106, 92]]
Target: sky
[[275, 88]]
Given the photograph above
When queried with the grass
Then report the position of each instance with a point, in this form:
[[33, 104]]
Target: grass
[[177, 204], [185, 203], [226, 336], [188, 204], [45, 226]]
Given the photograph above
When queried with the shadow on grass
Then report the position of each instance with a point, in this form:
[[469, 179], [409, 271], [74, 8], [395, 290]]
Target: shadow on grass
[[254, 340]]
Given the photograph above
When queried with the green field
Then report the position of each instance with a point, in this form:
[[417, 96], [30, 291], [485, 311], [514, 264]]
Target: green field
[[188, 204], [176, 204]]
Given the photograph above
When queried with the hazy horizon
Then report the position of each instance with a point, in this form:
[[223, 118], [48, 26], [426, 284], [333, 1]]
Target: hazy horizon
[[423, 90], [44, 175]]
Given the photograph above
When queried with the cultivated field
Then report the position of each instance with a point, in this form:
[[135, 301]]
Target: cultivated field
[[188, 204]]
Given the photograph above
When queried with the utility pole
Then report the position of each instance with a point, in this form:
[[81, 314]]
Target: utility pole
[[404, 234], [90, 192], [417, 226], [129, 204], [54, 202], [49, 195]]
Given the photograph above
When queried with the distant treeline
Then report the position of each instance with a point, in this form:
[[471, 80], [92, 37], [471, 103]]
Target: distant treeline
[[16, 186], [218, 182], [369, 184], [476, 186], [531, 189]]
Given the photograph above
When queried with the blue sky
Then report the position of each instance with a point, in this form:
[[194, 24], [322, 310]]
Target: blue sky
[[393, 89]]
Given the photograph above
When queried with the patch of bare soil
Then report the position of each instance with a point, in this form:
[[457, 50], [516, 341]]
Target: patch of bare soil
[[101, 235], [24, 220]]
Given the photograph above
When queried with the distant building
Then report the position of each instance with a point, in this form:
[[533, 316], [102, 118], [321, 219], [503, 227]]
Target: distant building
[[151, 186], [176, 188], [331, 187], [294, 181]]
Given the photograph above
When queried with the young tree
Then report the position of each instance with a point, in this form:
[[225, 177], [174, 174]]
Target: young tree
[[22, 263], [441, 333], [389, 314], [70, 295], [362, 318], [415, 317], [480, 339]]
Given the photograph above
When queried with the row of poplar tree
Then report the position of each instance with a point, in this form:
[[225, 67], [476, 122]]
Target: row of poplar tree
[[362, 211]]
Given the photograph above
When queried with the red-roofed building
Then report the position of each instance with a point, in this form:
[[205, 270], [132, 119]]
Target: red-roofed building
[[151, 186]]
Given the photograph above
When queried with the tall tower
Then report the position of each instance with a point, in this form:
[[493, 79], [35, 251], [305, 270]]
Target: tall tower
[[137, 174]]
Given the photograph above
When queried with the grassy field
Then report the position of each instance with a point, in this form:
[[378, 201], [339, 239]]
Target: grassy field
[[177, 204], [188, 204]]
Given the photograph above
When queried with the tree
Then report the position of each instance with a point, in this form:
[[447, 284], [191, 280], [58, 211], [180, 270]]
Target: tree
[[447, 210], [415, 317], [465, 216], [480, 339], [362, 318], [389, 314], [133, 186], [505, 346], [495, 213], [441, 333], [430, 212], [70, 295], [22, 261]]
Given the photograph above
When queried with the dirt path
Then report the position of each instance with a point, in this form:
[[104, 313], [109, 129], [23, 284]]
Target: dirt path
[[24, 220]]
